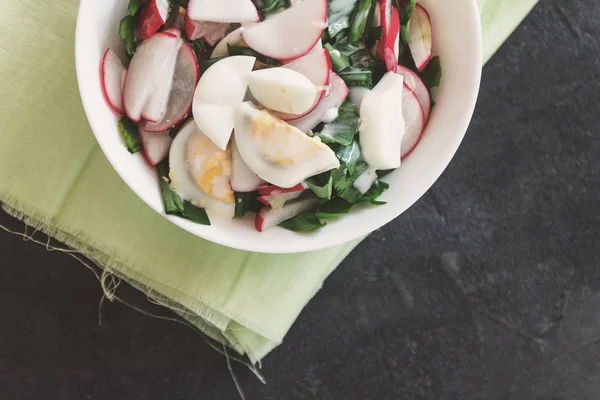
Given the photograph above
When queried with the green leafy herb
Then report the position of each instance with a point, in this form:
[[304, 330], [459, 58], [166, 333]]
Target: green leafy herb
[[376, 33], [359, 21], [305, 222], [173, 203], [340, 14], [246, 51], [245, 202], [405, 14], [357, 78], [321, 185], [134, 6], [349, 155], [343, 181], [377, 188], [130, 134], [432, 74], [343, 128], [127, 32], [339, 61], [384, 172], [268, 7], [334, 208]]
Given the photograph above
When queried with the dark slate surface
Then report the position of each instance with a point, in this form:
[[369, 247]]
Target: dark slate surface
[[488, 288]]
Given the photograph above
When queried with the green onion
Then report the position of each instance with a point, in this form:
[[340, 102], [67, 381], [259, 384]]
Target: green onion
[[339, 61], [374, 192], [357, 78], [334, 208], [321, 185], [127, 32], [359, 21], [134, 6], [268, 7], [405, 20], [246, 202], [339, 15], [343, 128], [130, 134], [349, 155], [206, 64], [376, 33]]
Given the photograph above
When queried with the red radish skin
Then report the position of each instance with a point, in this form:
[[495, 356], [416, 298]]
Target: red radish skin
[[112, 78], [156, 145], [412, 80], [414, 121], [151, 17], [273, 190], [420, 42], [338, 92], [173, 31], [298, 30], [186, 76], [383, 16], [316, 66], [391, 41], [268, 217]]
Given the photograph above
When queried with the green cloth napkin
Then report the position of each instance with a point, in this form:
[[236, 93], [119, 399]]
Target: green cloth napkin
[[54, 176]]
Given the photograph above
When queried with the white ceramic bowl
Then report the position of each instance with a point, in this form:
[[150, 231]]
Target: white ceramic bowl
[[457, 40]]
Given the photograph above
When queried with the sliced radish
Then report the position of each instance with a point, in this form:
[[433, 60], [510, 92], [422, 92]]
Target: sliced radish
[[420, 37], [338, 92], [173, 31], [316, 66], [278, 201], [112, 78], [151, 17], [220, 91], [242, 177], [156, 145], [240, 11], [217, 34], [382, 17], [198, 29], [234, 38], [382, 124], [412, 80], [277, 152], [149, 79], [273, 190], [291, 33], [414, 121], [389, 47], [185, 78], [282, 89], [268, 217]]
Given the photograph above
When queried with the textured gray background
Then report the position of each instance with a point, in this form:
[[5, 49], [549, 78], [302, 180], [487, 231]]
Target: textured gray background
[[488, 288]]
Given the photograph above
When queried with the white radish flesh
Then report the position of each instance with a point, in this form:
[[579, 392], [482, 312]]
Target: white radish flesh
[[277, 152], [242, 177], [268, 217], [156, 145], [338, 92], [282, 89], [198, 29], [414, 120], [291, 33], [240, 11], [420, 37], [415, 84], [217, 34], [150, 77], [112, 78], [220, 91], [316, 66], [382, 124]]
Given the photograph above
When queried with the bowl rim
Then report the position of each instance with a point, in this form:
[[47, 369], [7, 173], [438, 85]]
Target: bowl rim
[[265, 246]]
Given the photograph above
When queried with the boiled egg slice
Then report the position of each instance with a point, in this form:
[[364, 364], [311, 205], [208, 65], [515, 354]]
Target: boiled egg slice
[[283, 90], [382, 124], [200, 171], [278, 152], [220, 91]]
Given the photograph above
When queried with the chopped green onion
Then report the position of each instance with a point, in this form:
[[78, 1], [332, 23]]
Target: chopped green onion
[[359, 21], [268, 7], [357, 78], [130, 134], [339, 61], [206, 64], [195, 214], [343, 128], [374, 192], [334, 208], [246, 202], [127, 32], [376, 33], [321, 185]]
